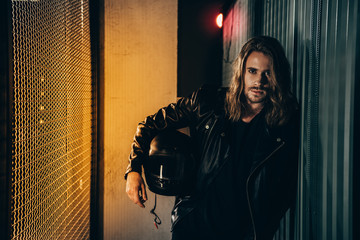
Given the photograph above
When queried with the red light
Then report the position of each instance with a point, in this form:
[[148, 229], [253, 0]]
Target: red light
[[219, 20]]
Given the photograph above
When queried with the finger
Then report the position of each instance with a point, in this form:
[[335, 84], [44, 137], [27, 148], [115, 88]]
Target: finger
[[138, 201], [136, 197], [133, 189], [143, 191]]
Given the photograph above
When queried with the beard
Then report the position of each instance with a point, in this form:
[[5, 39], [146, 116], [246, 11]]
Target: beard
[[255, 94]]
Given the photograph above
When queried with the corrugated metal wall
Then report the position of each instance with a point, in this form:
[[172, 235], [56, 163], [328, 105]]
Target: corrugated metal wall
[[319, 38], [337, 66]]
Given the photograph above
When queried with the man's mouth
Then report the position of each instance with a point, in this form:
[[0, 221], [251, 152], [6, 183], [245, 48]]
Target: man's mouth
[[257, 90]]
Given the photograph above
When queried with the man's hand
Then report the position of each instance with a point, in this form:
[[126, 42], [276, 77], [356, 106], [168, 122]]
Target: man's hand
[[135, 188]]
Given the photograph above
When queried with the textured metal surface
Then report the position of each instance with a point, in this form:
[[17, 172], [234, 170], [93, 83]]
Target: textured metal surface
[[278, 20], [326, 46], [307, 79], [339, 44], [52, 120]]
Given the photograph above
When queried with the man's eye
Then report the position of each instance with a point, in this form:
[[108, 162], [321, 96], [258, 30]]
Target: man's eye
[[267, 73], [252, 71]]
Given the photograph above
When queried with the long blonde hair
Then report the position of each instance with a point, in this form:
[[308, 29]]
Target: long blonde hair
[[280, 101]]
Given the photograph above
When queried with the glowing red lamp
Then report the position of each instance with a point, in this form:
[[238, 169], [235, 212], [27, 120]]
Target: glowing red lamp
[[219, 20]]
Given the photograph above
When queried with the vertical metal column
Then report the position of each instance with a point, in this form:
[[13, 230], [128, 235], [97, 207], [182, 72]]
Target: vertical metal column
[[96, 11], [5, 117]]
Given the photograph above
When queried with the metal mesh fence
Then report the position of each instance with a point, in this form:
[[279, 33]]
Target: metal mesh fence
[[52, 132]]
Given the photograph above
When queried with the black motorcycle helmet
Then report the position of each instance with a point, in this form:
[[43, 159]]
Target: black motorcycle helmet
[[170, 168]]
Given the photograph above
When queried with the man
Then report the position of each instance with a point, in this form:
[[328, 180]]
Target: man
[[247, 141]]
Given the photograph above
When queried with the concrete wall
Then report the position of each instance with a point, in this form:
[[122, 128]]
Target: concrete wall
[[140, 77]]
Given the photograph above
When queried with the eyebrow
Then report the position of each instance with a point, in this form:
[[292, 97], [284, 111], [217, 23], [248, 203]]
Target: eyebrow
[[253, 68]]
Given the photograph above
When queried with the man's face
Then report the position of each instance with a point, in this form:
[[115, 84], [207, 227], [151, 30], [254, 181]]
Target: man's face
[[256, 78]]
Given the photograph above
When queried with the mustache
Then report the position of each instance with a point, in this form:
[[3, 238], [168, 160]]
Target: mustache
[[259, 88]]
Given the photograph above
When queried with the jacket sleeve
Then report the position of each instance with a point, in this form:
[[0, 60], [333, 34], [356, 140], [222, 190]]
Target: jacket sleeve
[[175, 115]]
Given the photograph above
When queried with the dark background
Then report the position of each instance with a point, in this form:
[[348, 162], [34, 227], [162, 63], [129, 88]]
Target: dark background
[[199, 44]]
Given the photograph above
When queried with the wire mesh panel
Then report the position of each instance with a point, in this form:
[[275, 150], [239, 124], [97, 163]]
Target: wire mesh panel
[[52, 120]]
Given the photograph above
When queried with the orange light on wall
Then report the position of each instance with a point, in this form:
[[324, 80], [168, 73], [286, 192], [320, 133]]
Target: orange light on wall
[[219, 20]]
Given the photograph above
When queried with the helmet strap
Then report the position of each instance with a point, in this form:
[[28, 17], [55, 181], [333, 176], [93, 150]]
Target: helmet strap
[[157, 220]]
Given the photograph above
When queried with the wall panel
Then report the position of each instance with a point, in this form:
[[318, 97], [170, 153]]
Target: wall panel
[[336, 111], [320, 38], [140, 77]]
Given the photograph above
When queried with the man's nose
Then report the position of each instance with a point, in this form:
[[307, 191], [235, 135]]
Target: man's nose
[[259, 81], [263, 79]]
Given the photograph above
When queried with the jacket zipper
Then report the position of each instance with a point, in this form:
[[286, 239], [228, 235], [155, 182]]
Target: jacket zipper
[[247, 185]]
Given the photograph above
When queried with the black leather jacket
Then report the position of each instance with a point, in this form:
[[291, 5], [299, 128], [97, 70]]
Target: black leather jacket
[[271, 185]]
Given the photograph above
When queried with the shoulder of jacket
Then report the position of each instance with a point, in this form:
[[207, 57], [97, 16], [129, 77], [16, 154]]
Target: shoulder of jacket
[[211, 93], [212, 88]]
